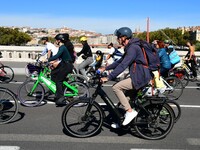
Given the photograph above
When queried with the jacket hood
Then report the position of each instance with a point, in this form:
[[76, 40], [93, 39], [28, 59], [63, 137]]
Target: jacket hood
[[135, 41]]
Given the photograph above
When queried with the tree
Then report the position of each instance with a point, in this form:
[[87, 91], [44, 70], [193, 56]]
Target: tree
[[167, 34], [13, 37]]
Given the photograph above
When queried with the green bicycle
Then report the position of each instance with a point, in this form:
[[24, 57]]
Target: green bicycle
[[31, 93]]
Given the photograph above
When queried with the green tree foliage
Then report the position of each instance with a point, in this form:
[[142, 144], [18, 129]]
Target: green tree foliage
[[175, 35], [197, 46], [13, 37]]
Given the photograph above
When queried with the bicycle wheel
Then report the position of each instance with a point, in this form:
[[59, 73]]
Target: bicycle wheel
[[176, 108], [175, 88], [148, 124], [30, 99], [8, 106], [7, 74], [83, 121], [83, 90]]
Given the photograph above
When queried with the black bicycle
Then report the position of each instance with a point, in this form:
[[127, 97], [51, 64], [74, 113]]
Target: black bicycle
[[8, 106], [84, 117]]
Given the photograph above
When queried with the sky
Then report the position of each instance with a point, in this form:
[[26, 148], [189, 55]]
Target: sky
[[101, 16]]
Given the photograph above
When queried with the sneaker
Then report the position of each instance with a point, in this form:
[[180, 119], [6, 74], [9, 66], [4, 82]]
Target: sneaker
[[129, 116], [61, 101], [115, 125]]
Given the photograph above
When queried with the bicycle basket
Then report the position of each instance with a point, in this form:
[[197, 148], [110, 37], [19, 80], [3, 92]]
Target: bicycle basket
[[33, 69]]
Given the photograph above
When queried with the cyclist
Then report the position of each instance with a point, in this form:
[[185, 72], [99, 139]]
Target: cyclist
[[98, 61], [114, 53], [87, 56], [191, 58], [70, 47], [61, 69], [165, 64], [50, 49], [140, 76], [168, 46]]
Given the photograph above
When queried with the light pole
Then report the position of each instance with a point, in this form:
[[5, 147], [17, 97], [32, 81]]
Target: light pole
[[147, 38]]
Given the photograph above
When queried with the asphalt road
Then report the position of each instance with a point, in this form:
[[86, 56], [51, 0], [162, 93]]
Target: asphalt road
[[41, 128]]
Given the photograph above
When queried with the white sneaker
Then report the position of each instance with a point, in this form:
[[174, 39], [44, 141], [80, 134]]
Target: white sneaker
[[88, 78], [129, 116], [115, 125]]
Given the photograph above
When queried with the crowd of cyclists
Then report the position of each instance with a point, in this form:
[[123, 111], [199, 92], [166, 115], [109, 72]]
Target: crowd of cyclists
[[62, 57]]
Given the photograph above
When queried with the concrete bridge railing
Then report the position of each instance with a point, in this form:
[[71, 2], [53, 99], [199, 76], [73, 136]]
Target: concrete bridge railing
[[29, 53]]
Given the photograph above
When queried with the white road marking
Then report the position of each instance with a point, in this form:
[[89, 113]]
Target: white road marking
[[9, 147], [152, 149], [194, 141]]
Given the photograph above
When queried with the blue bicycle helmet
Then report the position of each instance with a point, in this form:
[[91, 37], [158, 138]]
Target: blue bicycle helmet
[[124, 31]]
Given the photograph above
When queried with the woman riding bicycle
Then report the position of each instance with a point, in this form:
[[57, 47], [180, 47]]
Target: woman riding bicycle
[[165, 64], [61, 70]]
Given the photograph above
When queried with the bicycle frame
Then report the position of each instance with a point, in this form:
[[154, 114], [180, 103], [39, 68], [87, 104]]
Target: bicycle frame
[[169, 87], [187, 69], [112, 108], [42, 78]]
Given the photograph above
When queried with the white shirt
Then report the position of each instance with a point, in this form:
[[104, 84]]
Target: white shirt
[[111, 51], [51, 47]]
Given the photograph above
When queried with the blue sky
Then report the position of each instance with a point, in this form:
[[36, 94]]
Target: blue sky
[[101, 16]]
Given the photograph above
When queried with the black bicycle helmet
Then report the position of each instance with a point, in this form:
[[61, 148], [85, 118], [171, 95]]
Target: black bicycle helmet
[[66, 36], [98, 52], [44, 38], [124, 31], [60, 37]]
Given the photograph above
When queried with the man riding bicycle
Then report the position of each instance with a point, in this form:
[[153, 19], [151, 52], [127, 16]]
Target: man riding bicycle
[[140, 76]]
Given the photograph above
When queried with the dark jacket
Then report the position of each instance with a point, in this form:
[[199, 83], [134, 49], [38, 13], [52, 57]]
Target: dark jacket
[[62, 54], [86, 50], [70, 48], [133, 58]]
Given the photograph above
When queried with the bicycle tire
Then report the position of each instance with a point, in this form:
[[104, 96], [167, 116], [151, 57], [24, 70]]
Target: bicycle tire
[[176, 108], [78, 122], [9, 74], [24, 96], [152, 128], [8, 106], [83, 90], [177, 91]]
